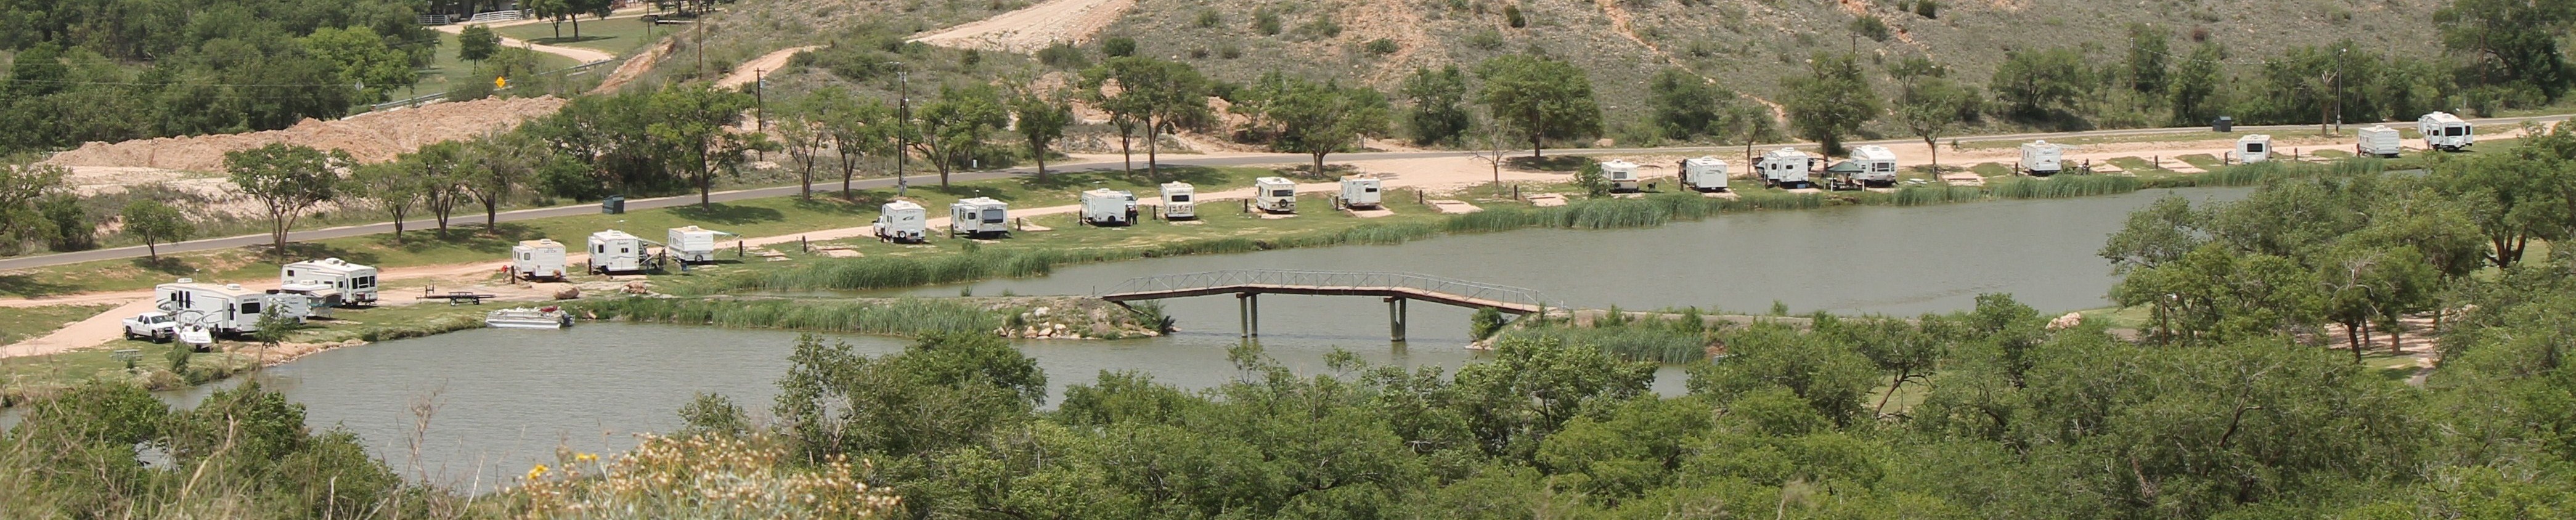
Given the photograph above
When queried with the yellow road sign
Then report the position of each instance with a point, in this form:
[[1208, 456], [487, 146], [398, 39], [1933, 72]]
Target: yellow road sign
[[500, 82]]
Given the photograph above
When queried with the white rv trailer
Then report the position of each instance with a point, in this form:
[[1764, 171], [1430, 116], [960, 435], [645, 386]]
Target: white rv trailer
[[1362, 192], [1108, 207], [1785, 167], [904, 222], [318, 298], [2253, 148], [693, 245], [1274, 194], [979, 217], [1621, 174], [1179, 201], [540, 259], [224, 308], [357, 283], [1877, 163], [614, 251], [1704, 173], [2378, 141], [2042, 158], [2445, 132]]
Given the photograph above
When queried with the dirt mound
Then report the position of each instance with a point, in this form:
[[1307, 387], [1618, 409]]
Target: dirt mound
[[1033, 28], [371, 137]]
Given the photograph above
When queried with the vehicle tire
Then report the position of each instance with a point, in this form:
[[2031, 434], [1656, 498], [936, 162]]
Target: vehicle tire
[[129, 335]]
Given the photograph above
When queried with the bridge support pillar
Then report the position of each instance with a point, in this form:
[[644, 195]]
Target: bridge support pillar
[[1396, 314], [1248, 308]]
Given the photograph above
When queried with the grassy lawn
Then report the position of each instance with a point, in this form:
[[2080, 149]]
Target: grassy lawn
[[2200, 160], [1991, 170], [26, 322], [619, 36], [448, 69], [2138, 166]]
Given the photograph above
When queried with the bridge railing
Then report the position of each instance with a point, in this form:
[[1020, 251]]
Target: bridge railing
[[1502, 294]]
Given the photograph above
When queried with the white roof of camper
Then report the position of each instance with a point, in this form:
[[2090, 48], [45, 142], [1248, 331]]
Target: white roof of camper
[[1618, 164], [1785, 153], [1178, 187], [1361, 178], [1273, 181], [2041, 146], [2255, 138], [2443, 118], [900, 205], [542, 243], [1873, 153], [980, 202], [215, 288], [1706, 161], [2378, 129], [329, 265], [694, 230], [1109, 193], [612, 236]]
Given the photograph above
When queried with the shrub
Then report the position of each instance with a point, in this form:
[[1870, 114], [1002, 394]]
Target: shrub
[[1265, 22], [1486, 40], [1229, 51], [1512, 17], [1063, 56], [1322, 27], [1208, 19], [1484, 323], [1382, 46], [1870, 27], [1927, 8], [1118, 46]]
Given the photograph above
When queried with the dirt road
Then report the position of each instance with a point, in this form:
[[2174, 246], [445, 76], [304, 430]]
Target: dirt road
[[751, 70], [577, 54], [1034, 27]]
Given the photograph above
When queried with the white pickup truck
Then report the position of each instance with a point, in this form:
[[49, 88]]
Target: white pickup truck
[[155, 325]]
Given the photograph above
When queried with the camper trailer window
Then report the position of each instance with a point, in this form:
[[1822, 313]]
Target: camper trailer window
[[623, 250], [1180, 198], [366, 281], [992, 216], [250, 308], [290, 273], [184, 298], [2454, 131], [599, 249], [2254, 147], [1283, 193]]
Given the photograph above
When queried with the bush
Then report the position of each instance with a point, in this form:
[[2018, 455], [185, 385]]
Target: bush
[[1118, 46], [1484, 323], [1382, 46], [67, 225], [1486, 40], [1208, 19], [1322, 27], [1229, 51], [1265, 22], [1512, 17], [1063, 56], [1927, 9], [1870, 27]]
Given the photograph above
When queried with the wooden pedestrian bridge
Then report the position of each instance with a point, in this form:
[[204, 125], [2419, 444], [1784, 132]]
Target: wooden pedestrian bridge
[[1247, 286]]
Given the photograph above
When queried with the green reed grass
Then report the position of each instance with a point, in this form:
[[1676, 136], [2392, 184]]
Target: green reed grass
[[2065, 186], [899, 317]]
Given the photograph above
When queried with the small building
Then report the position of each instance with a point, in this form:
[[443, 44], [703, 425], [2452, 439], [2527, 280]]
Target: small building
[[1704, 173], [1178, 201], [903, 222], [614, 251], [2445, 132], [356, 282], [1362, 192], [1786, 168], [1877, 166], [979, 217], [1621, 174], [224, 308], [1108, 207], [1274, 195], [693, 245], [2253, 148], [2378, 141], [540, 259], [2042, 158]]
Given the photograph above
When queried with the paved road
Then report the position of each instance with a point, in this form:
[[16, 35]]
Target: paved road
[[1176, 159]]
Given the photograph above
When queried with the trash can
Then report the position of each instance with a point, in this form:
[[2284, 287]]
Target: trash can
[[613, 205], [2223, 124]]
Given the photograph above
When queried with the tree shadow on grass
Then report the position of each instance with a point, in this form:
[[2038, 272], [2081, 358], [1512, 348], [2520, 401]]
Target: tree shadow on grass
[[963, 192], [169, 265], [30, 285], [727, 214], [1559, 163], [561, 40], [835, 206]]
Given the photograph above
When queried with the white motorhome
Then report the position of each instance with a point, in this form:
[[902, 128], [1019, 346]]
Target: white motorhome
[[1108, 207], [357, 283], [1180, 201], [1274, 194], [1704, 173], [2445, 132], [1362, 192], [1785, 167], [903, 222], [2378, 141], [614, 251], [693, 245], [1877, 166], [2042, 158], [2253, 149], [979, 217], [1621, 174], [224, 308], [540, 259]]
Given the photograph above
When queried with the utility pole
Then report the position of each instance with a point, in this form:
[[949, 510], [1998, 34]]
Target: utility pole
[[2339, 89], [759, 105], [903, 131]]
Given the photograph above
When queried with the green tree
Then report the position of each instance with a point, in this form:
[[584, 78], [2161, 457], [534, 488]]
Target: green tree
[[1539, 98], [2195, 84], [858, 128], [22, 183], [2510, 42], [1828, 373], [690, 120], [2034, 82], [392, 186], [1930, 105], [2162, 232], [1040, 122], [803, 135], [2367, 283], [953, 129], [477, 42], [1152, 94], [156, 223], [287, 181], [1321, 118], [2214, 295], [496, 167], [1432, 112], [555, 10], [1687, 106], [2149, 47], [1831, 101], [363, 58], [2513, 199], [1531, 387]]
